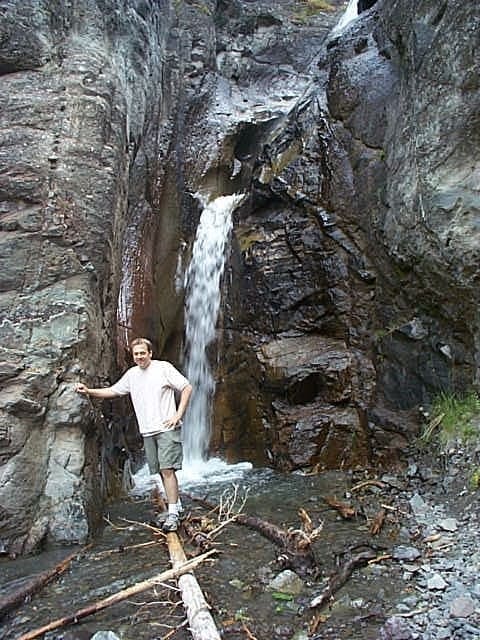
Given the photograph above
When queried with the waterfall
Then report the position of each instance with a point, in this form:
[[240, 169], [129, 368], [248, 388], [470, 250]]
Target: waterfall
[[350, 13], [202, 283]]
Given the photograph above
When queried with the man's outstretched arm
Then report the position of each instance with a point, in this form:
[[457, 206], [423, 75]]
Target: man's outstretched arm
[[103, 392]]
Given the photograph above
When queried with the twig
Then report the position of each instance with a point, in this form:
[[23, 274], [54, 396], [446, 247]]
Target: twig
[[390, 508], [368, 483], [409, 614], [145, 525], [250, 635], [345, 510], [338, 579], [385, 556], [174, 631]]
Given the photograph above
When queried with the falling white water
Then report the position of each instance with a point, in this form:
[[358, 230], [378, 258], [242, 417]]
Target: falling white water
[[350, 13], [202, 305]]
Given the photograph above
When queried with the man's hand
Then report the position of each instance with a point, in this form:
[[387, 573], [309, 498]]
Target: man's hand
[[103, 393], [172, 422]]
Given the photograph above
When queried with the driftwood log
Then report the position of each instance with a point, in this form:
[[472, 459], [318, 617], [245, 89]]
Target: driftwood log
[[296, 550], [33, 584], [295, 547], [117, 597], [340, 577], [201, 624]]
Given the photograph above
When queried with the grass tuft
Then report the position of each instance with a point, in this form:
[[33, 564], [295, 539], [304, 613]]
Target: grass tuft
[[455, 417]]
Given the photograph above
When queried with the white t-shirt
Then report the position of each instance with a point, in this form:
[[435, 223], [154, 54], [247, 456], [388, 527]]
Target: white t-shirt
[[152, 391]]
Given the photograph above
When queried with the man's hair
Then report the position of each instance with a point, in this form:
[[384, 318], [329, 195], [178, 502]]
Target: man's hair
[[144, 341]]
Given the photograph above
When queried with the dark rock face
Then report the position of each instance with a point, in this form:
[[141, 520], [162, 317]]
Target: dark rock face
[[364, 5], [362, 224], [351, 294]]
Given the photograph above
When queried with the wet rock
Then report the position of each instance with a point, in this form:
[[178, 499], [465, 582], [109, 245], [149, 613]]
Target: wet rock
[[286, 582], [354, 250]]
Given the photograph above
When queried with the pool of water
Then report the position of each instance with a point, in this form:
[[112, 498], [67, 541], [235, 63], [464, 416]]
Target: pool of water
[[234, 582]]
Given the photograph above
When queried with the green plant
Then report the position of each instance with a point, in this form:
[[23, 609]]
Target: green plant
[[475, 478], [319, 5], [454, 416], [310, 8]]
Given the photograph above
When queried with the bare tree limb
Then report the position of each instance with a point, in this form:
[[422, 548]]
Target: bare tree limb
[[118, 597], [201, 624]]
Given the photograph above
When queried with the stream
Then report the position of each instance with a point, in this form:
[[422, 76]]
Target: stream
[[235, 582]]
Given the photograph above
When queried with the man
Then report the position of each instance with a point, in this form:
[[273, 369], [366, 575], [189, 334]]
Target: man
[[152, 385]]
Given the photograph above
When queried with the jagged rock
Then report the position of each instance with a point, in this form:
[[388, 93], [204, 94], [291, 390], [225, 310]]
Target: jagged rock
[[462, 607], [396, 628], [448, 524], [286, 582], [436, 583], [354, 250], [406, 554]]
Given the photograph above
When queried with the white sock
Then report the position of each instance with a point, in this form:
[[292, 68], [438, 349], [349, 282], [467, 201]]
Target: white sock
[[179, 505], [173, 508]]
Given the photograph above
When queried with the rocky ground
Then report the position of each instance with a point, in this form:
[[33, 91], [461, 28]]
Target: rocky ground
[[441, 557]]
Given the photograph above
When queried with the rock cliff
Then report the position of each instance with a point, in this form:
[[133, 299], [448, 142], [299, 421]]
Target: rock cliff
[[352, 284]]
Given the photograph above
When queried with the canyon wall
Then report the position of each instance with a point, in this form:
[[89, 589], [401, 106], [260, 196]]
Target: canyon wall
[[350, 297]]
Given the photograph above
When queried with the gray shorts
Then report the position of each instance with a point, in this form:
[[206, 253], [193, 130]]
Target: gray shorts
[[164, 450]]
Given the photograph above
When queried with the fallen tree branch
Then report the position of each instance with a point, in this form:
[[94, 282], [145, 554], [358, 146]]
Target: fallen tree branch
[[295, 545], [35, 583], [118, 597], [201, 624], [123, 549], [338, 579]]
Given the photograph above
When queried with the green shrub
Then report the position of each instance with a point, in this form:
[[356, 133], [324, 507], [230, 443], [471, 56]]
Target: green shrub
[[454, 417], [319, 5]]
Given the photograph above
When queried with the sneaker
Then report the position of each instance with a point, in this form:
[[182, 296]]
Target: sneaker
[[171, 523], [160, 518]]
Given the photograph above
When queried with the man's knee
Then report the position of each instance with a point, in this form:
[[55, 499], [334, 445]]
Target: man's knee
[[167, 473]]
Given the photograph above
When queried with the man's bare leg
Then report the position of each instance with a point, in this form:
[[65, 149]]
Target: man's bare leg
[[170, 484]]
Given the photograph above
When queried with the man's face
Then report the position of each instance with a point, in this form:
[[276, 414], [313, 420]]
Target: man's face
[[141, 355]]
